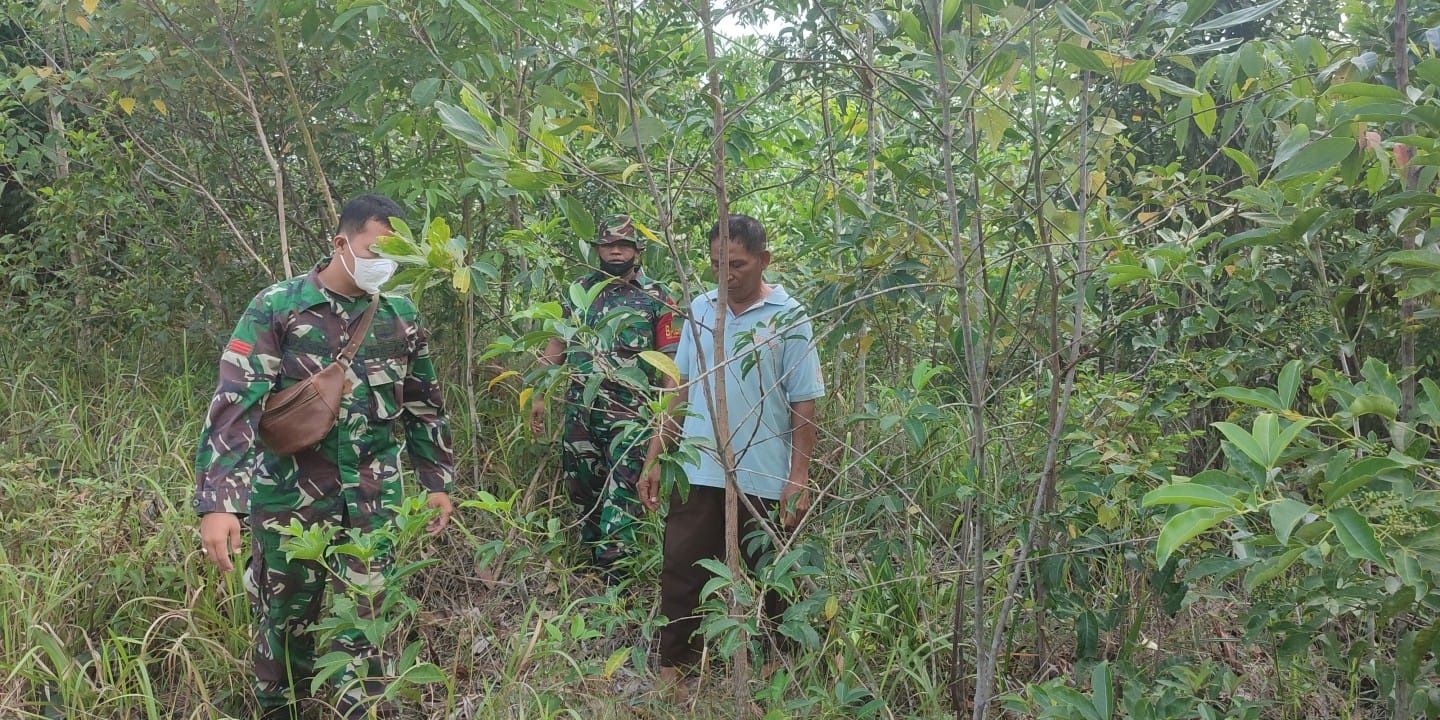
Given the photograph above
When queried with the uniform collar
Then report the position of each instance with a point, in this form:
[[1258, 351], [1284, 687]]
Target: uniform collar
[[596, 277], [313, 292]]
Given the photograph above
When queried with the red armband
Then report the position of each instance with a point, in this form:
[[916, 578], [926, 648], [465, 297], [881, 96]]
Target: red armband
[[667, 330]]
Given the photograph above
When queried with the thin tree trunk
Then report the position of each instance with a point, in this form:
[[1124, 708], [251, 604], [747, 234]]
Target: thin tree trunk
[[740, 663], [77, 252], [247, 96], [322, 184], [1063, 385], [976, 369], [1409, 178]]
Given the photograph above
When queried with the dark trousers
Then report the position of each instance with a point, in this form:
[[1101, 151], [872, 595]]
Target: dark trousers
[[695, 530]]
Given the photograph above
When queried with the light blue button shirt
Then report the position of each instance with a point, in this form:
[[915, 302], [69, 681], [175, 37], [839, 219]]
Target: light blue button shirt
[[770, 363]]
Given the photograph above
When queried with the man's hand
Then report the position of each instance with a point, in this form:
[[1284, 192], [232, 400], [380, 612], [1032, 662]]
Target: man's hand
[[648, 487], [220, 538], [794, 502], [438, 501], [537, 417]]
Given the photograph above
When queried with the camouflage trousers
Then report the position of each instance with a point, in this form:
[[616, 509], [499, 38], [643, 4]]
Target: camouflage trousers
[[286, 598], [601, 455]]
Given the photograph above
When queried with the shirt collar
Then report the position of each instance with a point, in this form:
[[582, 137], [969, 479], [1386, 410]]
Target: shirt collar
[[777, 296]]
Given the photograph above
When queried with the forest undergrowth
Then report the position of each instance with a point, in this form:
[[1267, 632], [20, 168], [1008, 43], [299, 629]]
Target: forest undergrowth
[[112, 612]]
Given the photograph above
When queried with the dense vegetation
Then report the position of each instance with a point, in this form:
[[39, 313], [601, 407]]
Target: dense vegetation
[[1126, 310]]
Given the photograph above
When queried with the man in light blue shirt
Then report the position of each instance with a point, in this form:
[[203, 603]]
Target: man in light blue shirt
[[771, 379]]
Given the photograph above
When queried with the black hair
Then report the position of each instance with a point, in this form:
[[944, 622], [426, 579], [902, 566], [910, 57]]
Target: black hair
[[745, 230], [363, 208]]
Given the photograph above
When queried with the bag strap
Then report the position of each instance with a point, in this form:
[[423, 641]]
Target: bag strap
[[361, 328]]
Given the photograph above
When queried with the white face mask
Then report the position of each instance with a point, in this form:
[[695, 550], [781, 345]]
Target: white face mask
[[369, 273]]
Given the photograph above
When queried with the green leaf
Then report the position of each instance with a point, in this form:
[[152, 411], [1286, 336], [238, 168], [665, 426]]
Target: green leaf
[[582, 222], [1298, 137], [1125, 274], [1170, 86], [1357, 475], [1285, 515], [1364, 89], [923, 373], [1183, 527], [1267, 569], [1374, 405], [1188, 493], [1427, 70], [947, 12], [1216, 46], [579, 299], [1355, 533], [1102, 691], [916, 430], [1075, 23], [1194, 11], [609, 165], [1402, 600], [1288, 436], [1320, 155], [1244, 441], [1423, 259], [437, 235], [649, 129], [1243, 162], [1081, 58], [465, 127], [530, 181], [409, 655], [1239, 17], [1202, 108], [329, 664], [1265, 429], [424, 92], [1253, 236], [1288, 384], [1259, 397], [556, 99], [914, 29], [1136, 71], [400, 249], [424, 674]]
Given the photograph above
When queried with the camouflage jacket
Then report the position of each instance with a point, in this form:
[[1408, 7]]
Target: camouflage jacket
[[644, 318], [289, 331]]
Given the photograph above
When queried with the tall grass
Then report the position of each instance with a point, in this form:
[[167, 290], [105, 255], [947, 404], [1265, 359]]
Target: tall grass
[[110, 612]]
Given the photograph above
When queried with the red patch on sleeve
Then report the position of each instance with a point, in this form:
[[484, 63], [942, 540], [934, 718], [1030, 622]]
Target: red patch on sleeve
[[240, 346], [667, 329]]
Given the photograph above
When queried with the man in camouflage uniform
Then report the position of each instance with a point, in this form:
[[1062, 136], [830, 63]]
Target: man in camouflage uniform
[[351, 479], [604, 440]]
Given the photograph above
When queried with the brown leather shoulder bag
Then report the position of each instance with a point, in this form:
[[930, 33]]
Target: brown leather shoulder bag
[[300, 416]]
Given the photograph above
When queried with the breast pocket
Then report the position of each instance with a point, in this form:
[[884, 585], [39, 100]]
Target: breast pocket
[[635, 337], [385, 378]]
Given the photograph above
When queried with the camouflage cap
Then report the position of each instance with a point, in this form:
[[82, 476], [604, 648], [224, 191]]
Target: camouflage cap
[[616, 228]]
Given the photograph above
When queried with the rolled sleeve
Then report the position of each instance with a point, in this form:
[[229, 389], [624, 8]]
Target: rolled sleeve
[[685, 352], [803, 378]]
